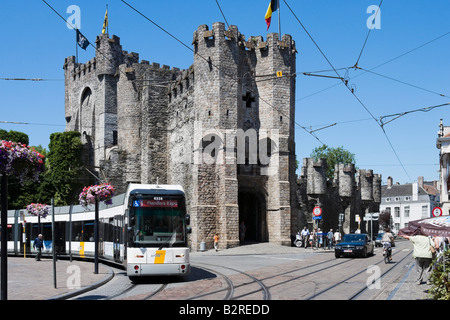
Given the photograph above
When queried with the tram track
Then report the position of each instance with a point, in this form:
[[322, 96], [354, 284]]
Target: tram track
[[365, 287]]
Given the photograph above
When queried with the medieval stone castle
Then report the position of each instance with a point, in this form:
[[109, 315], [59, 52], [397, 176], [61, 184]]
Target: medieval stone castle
[[223, 129]]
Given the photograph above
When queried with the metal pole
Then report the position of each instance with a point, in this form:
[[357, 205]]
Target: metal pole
[[70, 232], [54, 244], [4, 243], [279, 20], [96, 236]]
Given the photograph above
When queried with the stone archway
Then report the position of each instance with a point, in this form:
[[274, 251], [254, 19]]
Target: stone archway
[[252, 210]]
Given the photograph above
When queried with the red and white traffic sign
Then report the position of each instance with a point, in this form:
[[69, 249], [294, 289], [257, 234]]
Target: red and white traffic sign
[[317, 211], [437, 212]]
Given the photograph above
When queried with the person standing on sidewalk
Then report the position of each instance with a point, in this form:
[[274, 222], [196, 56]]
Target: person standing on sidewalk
[[305, 236], [38, 245], [216, 242], [422, 254]]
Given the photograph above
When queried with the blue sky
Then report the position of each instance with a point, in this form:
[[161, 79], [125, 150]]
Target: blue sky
[[35, 42]]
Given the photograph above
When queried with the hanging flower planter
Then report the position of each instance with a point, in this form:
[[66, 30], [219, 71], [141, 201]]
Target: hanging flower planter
[[102, 192], [19, 160], [38, 209]]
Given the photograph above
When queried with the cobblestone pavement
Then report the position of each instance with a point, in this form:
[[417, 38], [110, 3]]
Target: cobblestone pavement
[[29, 279], [33, 280]]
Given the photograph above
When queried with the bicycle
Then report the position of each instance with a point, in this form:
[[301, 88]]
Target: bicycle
[[387, 252]]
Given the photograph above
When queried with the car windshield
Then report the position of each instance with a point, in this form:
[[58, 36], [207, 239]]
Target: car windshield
[[354, 238]]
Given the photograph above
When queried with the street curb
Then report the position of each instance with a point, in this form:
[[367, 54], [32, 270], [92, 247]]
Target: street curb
[[88, 288]]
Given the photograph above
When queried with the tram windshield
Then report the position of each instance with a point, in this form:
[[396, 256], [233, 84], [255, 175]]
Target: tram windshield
[[158, 221]]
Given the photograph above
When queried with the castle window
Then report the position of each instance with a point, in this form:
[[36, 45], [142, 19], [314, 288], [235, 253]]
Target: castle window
[[115, 140], [86, 96]]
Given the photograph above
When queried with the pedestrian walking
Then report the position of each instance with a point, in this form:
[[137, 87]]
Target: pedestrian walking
[[320, 237], [216, 242], [337, 237], [242, 229], [330, 237], [423, 255], [38, 245], [305, 236]]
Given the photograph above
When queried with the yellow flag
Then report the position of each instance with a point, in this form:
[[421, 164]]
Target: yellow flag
[[105, 22]]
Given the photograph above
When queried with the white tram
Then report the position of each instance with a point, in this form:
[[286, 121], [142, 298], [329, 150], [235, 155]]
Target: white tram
[[145, 230]]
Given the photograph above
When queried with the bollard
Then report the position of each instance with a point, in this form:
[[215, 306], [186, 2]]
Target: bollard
[[203, 246]]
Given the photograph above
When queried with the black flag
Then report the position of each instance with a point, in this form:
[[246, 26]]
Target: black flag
[[81, 40]]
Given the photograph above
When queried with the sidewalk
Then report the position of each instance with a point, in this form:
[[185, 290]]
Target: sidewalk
[[29, 279]]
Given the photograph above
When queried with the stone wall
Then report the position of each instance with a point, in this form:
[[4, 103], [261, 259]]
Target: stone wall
[[351, 192]]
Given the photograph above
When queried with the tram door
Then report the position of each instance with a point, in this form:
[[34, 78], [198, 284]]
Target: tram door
[[117, 236]]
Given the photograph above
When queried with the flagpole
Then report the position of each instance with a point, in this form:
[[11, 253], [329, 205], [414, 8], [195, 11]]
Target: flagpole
[[76, 46], [107, 26], [279, 20]]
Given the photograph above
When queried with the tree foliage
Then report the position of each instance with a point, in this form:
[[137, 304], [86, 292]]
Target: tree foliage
[[65, 168], [14, 136], [62, 178], [439, 277], [333, 156]]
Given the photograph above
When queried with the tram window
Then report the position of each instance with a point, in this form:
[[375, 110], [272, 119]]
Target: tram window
[[83, 231]]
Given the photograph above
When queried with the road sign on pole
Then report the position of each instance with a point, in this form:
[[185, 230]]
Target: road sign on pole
[[317, 211], [437, 212]]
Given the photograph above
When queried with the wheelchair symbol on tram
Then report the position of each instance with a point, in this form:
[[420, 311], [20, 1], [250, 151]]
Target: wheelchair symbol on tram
[[135, 203]]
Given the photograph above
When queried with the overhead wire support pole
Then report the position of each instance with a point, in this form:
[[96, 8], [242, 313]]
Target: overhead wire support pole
[[322, 76]]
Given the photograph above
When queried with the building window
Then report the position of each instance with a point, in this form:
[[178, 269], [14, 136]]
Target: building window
[[424, 211], [406, 212], [397, 198], [388, 199], [397, 212], [407, 198]]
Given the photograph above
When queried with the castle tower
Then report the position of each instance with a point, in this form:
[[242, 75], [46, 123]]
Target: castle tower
[[250, 178], [91, 98]]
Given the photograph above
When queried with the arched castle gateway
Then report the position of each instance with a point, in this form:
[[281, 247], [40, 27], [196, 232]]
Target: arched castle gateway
[[223, 129]]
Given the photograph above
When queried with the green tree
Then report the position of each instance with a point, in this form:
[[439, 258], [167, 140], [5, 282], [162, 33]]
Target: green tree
[[333, 156], [65, 168], [15, 136]]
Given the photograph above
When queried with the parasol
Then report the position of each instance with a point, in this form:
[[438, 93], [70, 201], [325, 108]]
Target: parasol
[[436, 226]]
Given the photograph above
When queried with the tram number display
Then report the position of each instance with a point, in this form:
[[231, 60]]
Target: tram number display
[[156, 203]]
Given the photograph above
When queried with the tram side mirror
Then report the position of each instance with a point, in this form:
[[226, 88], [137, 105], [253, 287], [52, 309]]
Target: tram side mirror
[[188, 219]]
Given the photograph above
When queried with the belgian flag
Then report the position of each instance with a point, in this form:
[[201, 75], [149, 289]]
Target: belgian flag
[[273, 6]]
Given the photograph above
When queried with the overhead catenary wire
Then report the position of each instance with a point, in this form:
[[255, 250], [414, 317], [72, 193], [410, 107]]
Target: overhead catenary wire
[[350, 89], [215, 66], [223, 15], [368, 34], [379, 65]]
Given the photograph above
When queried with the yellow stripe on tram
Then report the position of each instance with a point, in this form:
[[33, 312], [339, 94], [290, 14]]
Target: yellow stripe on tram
[[160, 256]]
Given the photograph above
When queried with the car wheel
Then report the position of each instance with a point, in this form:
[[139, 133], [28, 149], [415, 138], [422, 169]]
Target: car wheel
[[337, 255], [364, 253]]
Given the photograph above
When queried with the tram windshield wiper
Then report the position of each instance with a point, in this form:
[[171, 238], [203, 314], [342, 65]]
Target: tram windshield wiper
[[171, 240]]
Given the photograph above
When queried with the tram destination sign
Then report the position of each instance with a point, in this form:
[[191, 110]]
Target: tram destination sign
[[155, 203]]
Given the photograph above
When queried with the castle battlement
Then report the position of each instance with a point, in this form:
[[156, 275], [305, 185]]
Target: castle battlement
[[232, 35]]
